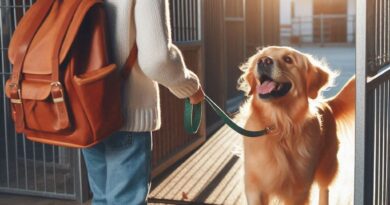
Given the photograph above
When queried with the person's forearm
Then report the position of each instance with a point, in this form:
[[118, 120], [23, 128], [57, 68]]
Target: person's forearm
[[158, 58]]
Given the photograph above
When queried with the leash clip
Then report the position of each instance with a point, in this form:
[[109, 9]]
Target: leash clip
[[269, 129]]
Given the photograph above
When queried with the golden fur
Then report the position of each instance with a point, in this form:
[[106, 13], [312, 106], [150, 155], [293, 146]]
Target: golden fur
[[303, 147]]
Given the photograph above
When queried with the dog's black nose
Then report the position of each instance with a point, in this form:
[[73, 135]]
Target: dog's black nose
[[265, 65], [267, 61]]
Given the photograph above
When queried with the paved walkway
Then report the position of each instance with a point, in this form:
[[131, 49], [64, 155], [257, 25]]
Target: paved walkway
[[214, 175]]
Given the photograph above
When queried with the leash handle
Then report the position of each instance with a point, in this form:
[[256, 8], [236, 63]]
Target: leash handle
[[192, 116], [193, 113]]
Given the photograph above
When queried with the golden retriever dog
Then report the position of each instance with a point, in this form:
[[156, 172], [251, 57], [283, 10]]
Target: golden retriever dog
[[284, 95]]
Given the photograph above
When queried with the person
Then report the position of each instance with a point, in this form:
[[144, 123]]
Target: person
[[119, 167]]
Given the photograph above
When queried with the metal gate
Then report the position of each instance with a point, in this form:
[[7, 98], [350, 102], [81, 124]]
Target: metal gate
[[372, 179], [27, 167]]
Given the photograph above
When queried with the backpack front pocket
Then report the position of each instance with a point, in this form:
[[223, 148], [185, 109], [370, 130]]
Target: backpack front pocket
[[99, 94], [43, 107]]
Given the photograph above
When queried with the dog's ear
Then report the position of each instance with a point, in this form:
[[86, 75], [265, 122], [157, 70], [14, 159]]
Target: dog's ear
[[251, 80], [247, 81], [317, 78]]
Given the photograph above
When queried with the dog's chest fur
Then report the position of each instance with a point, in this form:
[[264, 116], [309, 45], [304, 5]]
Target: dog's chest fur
[[287, 158]]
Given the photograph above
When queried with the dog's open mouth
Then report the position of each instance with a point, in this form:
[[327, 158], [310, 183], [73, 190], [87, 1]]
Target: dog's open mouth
[[269, 88]]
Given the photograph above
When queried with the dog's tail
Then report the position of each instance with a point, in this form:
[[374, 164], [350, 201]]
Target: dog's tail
[[343, 104], [343, 107]]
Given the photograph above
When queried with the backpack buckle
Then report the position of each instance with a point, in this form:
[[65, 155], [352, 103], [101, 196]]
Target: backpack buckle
[[60, 98], [17, 100]]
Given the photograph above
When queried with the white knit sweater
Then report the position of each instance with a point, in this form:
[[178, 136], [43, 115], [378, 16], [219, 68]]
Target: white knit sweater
[[159, 61]]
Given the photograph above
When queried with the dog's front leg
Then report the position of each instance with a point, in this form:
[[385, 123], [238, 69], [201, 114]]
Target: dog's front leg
[[256, 198], [324, 196]]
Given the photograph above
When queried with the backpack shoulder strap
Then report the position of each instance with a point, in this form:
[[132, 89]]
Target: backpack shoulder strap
[[43, 7], [130, 62]]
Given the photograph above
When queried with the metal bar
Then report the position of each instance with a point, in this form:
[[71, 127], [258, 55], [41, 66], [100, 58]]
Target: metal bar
[[376, 53], [191, 19], [65, 184], [16, 160], [25, 162], [381, 148], [198, 20], [24, 6], [82, 179], [384, 40], [12, 6], [54, 169], [4, 103], [38, 193], [371, 36], [15, 19], [74, 162], [35, 167], [386, 141], [181, 23], [387, 31], [178, 20], [187, 20], [375, 160], [183, 17], [380, 37], [195, 20], [174, 23], [183, 20], [44, 167], [235, 19], [384, 29], [360, 142]]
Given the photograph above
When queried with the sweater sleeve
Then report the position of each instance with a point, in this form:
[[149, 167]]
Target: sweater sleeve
[[158, 58]]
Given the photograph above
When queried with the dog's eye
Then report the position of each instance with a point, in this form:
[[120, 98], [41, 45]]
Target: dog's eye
[[288, 59]]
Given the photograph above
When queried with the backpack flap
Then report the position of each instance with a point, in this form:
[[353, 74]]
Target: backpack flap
[[64, 19]]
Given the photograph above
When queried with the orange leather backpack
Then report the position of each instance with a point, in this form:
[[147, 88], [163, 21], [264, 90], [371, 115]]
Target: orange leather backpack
[[63, 89]]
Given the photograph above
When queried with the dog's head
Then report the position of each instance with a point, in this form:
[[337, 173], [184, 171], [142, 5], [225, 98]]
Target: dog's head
[[278, 74]]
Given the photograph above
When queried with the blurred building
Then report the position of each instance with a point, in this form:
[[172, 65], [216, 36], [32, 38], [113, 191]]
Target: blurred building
[[317, 21]]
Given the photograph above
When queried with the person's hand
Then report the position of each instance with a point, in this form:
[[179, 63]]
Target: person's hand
[[197, 97]]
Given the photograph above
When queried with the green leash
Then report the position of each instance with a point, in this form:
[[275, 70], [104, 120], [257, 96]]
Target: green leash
[[193, 115]]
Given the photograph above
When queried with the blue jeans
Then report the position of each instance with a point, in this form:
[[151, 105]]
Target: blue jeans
[[119, 168]]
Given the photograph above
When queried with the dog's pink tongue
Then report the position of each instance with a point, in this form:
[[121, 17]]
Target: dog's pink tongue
[[266, 87]]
